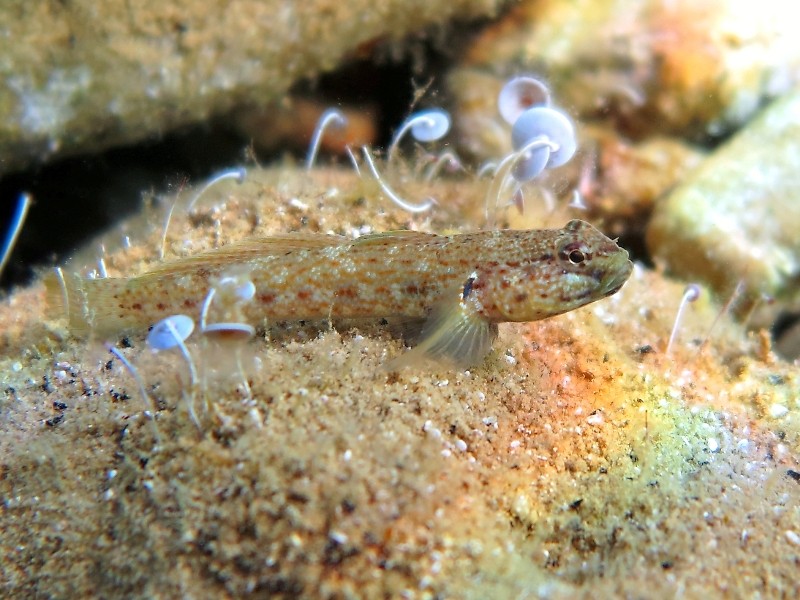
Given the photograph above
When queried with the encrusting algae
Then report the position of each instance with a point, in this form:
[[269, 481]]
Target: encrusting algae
[[578, 460], [459, 287]]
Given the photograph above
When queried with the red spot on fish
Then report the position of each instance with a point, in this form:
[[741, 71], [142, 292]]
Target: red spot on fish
[[136, 306], [303, 295], [346, 292], [161, 306], [266, 298]]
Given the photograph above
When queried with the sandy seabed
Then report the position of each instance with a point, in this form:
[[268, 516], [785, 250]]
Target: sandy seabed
[[579, 460]]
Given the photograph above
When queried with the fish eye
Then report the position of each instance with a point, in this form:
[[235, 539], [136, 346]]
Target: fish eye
[[575, 253], [576, 257]]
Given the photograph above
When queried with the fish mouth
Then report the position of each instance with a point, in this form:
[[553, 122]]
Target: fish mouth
[[617, 276]]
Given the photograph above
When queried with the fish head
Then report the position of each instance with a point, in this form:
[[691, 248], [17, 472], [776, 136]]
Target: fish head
[[571, 267]]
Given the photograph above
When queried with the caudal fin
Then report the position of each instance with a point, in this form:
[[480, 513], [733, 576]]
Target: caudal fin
[[81, 301]]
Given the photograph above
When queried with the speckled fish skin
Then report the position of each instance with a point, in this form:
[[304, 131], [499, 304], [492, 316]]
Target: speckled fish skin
[[492, 276]]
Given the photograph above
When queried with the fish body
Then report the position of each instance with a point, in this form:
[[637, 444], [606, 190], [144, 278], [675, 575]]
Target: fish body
[[461, 285]]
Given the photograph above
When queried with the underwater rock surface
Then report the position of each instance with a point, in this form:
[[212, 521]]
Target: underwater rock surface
[[83, 76], [736, 217], [583, 458], [671, 68]]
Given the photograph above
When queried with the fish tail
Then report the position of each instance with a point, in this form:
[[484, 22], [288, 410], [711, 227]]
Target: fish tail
[[86, 304]]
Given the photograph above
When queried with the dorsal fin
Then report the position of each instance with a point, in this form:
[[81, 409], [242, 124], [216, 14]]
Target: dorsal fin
[[284, 242], [277, 245], [266, 246], [399, 235]]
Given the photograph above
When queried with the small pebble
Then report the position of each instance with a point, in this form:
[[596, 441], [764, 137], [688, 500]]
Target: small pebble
[[298, 204], [595, 419], [793, 537], [338, 537], [776, 411]]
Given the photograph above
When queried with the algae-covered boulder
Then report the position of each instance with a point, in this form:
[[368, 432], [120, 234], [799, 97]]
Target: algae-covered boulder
[[83, 76], [736, 217]]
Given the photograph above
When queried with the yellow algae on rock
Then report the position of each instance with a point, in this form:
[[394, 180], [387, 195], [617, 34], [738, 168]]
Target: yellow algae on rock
[[736, 217], [579, 460]]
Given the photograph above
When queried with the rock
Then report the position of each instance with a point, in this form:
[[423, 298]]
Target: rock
[[618, 179], [736, 217], [83, 76], [788, 343], [621, 181], [686, 68], [291, 125], [480, 131], [580, 460]]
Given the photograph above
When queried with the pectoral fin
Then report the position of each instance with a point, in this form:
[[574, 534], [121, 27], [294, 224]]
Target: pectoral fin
[[454, 333]]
